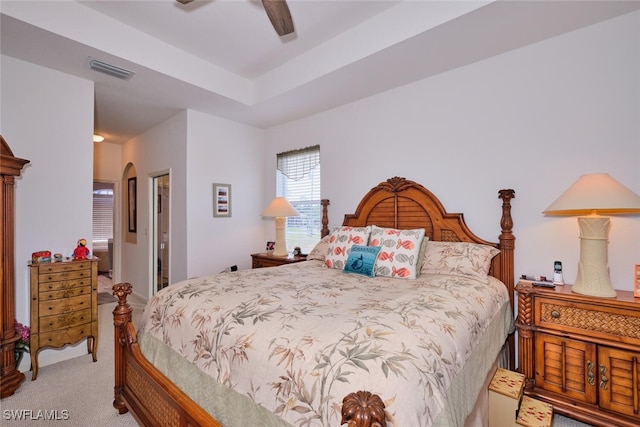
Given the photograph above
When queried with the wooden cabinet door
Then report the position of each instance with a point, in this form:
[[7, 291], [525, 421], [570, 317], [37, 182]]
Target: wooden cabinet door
[[618, 382], [566, 366]]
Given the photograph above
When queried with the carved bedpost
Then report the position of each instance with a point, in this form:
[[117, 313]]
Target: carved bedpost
[[363, 409], [525, 326], [325, 218], [121, 316], [507, 246]]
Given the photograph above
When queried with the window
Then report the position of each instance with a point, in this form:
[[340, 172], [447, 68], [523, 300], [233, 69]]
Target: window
[[102, 215], [298, 180]]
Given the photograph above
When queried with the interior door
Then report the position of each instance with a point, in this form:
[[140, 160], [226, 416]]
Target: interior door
[[161, 234]]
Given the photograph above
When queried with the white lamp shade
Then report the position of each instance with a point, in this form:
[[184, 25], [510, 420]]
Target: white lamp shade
[[595, 193], [280, 207]]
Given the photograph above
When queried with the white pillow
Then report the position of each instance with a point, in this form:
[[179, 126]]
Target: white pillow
[[460, 259], [340, 242], [320, 250], [400, 253]]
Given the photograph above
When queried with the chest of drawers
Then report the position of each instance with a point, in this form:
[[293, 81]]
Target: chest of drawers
[[581, 353], [64, 306]]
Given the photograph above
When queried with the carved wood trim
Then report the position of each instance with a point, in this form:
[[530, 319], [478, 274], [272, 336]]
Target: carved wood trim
[[325, 217], [10, 167]]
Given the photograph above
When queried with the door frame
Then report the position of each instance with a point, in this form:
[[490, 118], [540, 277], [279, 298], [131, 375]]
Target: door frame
[[116, 273], [153, 235]]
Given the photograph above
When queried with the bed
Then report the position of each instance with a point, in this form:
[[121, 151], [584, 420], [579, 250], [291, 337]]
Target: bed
[[410, 339]]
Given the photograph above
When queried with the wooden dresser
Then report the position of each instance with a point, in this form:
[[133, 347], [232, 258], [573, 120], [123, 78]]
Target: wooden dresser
[[580, 353], [266, 259], [64, 306]]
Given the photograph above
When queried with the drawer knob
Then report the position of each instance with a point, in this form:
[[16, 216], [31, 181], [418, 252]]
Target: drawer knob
[[555, 314]]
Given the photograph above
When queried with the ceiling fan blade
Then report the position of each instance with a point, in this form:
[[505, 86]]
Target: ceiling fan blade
[[279, 15]]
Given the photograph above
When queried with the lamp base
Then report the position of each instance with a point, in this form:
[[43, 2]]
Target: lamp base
[[280, 248], [593, 268]]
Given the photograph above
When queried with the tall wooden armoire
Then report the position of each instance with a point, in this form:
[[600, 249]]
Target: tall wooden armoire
[[10, 167]]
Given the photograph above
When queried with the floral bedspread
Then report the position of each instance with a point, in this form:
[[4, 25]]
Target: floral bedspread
[[298, 338]]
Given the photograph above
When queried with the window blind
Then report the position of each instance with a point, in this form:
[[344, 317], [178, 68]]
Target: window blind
[[298, 180], [102, 215]]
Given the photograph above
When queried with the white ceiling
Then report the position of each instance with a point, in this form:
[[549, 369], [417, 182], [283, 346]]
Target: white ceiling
[[222, 57]]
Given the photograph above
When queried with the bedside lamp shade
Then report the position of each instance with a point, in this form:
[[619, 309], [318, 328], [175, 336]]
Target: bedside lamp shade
[[589, 197], [280, 208]]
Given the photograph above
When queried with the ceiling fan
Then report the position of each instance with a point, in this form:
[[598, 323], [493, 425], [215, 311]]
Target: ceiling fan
[[278, 13]]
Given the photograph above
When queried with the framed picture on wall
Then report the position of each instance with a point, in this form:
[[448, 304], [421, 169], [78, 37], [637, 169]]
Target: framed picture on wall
[[221, 200], [131, 193]]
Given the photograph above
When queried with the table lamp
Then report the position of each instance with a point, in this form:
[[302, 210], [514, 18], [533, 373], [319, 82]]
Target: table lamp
[[588, 198], [280, 208]]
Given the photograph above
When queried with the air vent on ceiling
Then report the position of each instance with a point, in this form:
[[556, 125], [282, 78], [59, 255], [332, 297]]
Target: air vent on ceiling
[[109, 69]]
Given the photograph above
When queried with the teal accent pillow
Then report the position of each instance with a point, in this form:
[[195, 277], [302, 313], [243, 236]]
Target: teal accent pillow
[[362, 260]]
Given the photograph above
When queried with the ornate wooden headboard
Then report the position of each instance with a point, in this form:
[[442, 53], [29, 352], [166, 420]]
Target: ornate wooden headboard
[[404, 204]]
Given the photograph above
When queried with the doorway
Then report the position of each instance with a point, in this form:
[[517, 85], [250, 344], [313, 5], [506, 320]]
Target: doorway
[[103, 232], [161, 231]]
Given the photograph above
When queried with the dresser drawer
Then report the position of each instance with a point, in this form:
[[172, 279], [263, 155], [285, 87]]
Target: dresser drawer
[[64, 284], [262, 263], [262, 260], [63, 337], [65, 320], [61, 267], [601, 321], [64, 276], [64, 291], [66, 305]]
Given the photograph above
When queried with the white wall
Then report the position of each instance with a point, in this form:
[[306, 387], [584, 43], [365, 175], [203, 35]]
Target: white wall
[[158, 151], [107, 162], [534, 120], [47, 118], [198, 150], [222, 151]]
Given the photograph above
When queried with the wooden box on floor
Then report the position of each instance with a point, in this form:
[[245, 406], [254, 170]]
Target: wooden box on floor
[[508, 406], [534, 413], [505, 392]]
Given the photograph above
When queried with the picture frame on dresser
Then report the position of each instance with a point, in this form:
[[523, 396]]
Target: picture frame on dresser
[[221, 200], [636, 281]]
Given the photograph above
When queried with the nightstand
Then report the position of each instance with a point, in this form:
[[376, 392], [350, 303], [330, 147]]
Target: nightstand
[[266, 259], [580, 353]]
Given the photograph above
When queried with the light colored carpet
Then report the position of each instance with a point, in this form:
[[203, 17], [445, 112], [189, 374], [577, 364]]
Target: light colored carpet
[[76, 392], [104, 283], [79, 392], [106, 298]]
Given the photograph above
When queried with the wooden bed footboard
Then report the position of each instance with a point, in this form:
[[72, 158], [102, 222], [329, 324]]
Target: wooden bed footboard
[[141, 388], [155, 401]]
